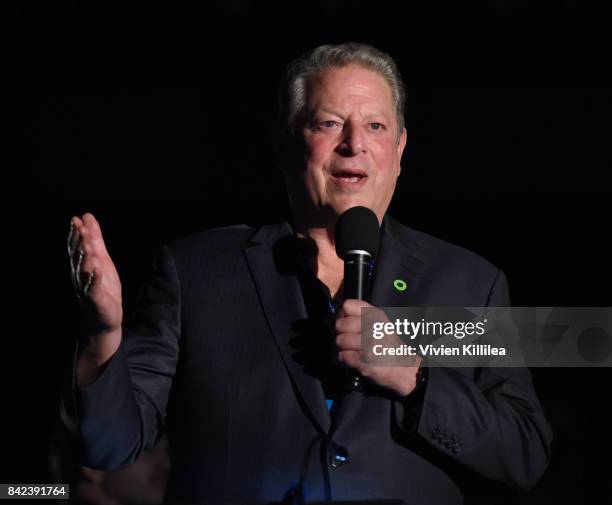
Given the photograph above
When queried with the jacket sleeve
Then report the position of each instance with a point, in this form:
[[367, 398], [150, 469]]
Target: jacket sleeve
[[124, 410], [488, 419]]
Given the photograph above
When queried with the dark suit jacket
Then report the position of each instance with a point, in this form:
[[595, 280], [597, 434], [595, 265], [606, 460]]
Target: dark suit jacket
[[208, 358]]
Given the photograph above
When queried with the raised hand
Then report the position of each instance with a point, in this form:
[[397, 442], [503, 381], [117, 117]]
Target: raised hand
[[98, 288]]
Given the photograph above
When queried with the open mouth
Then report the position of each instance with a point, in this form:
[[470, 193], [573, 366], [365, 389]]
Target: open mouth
[[350, 176]]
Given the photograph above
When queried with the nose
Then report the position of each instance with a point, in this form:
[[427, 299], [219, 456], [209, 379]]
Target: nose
[[353, 140]]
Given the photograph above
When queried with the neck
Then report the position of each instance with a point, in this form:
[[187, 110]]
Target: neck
[[318, 246]]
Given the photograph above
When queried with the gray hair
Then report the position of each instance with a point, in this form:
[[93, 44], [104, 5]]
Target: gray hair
[[292, 94]]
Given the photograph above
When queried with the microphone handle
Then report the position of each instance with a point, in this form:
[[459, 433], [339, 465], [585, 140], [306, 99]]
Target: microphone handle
[[356, 287], [356, 278]]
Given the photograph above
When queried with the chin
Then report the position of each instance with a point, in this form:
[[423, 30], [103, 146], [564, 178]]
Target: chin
[[342, 207]]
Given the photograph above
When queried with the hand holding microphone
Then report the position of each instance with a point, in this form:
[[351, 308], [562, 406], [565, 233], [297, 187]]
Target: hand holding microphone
[[357, 242]]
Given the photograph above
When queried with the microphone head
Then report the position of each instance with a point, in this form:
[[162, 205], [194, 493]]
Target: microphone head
[[357, 229]]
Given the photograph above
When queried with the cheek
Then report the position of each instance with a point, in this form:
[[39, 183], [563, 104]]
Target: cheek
[[393, 160], [319, 149], [316, 159], [387, 163]]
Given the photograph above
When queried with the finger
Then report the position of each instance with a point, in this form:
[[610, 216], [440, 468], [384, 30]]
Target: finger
[[74, 234], [86, 260], [76, 261], [348, 342], [86, 244], [76, 265], [81, 249], [89, 259], [90, 276], [94, 232], [96, 286], [80, 257], [352, 307], [75, 257], [350, 358], [81, 264], [69, 239], [348, 324]]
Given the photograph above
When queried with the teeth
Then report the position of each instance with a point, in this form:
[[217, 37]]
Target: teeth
[[355, 178]]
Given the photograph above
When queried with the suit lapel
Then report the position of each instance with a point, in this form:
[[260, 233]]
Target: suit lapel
[[397, 267], [283, 305]]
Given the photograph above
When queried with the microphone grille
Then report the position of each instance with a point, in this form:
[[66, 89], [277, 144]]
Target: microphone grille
[[357, 228]]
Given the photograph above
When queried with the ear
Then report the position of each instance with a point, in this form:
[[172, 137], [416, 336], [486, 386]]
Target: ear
[[400, 148]]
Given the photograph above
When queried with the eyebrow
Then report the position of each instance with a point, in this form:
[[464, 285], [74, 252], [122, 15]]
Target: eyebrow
[[326, 111], [374, 115]]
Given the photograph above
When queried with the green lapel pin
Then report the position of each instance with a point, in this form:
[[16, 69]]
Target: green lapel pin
[[400, 285]]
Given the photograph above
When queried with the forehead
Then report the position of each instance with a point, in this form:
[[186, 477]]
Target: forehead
[[350, 85]]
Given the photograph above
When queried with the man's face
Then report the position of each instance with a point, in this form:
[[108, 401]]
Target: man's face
[[351, 150]]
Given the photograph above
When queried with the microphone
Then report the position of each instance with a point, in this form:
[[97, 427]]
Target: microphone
[[357, 241]]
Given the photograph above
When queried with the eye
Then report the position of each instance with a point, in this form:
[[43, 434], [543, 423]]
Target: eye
[[328, 124], [377, 126]]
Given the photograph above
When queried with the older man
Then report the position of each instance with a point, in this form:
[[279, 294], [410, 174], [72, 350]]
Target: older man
[[227, 351]]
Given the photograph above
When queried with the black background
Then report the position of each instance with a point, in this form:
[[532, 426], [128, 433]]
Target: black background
[[156, 120]]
